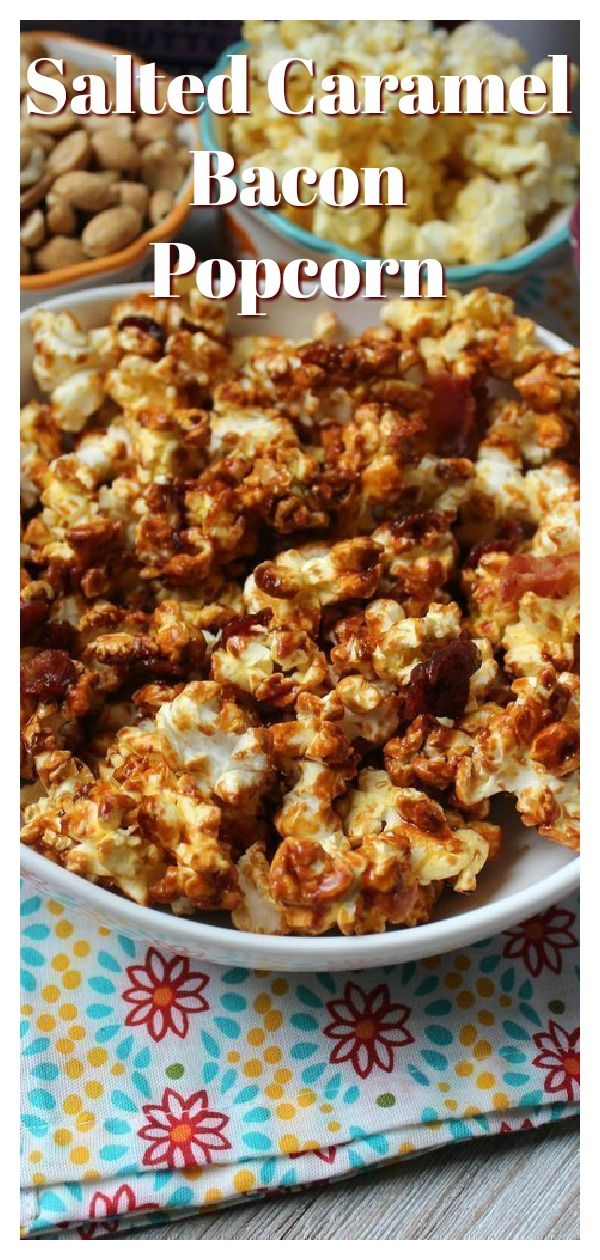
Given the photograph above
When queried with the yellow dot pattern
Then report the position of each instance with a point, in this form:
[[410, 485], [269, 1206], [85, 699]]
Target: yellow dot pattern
[[467, 1081]]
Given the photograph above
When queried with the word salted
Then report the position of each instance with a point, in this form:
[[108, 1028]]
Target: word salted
[[139, 85], [260, 280]]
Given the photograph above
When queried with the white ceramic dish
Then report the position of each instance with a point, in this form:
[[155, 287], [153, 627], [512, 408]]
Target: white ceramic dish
[[531, 873]]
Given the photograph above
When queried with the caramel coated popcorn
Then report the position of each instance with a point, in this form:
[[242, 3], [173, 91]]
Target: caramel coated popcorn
[[294, 613]]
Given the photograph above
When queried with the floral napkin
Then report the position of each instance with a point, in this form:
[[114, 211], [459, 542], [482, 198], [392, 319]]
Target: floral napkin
[[155, 1086]]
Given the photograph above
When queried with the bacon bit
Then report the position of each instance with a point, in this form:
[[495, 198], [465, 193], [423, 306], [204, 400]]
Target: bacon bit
[[424, 814], [549, 577], [48, 675], [61, 634], [440, 686], [452, 414], [513, 534], [241, 626], [33, 615]]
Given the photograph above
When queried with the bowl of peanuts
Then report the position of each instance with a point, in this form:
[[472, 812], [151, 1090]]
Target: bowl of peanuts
[[95, 191]]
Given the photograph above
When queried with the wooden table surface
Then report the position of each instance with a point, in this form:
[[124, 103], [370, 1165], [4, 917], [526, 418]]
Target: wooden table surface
[[522, 1185]]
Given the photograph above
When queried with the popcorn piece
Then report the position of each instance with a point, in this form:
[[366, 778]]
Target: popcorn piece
[[409, 640], [299, 583], [61, 348], [119, 642], [419, 554], [305, 897], [212, 739], [57, 692], [272, 665], [158, 845], [40, 445], [440, 848], [77, 398], [491, 219], [531, 749], [530, 605], [519, 431]]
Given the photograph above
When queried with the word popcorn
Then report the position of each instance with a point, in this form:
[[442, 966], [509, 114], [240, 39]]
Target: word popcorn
[[262, 279]]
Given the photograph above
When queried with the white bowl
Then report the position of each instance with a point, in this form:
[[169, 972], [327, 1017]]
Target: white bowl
[[531, 873]]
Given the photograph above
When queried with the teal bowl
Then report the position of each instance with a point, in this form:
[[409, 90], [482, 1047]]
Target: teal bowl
[[260, 233]]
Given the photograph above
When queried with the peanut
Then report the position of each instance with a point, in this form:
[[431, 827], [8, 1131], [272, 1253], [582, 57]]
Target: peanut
[[128, 193], [23, 68], [56, 124], [111, 231], [118, 123], [32, 162], [33, 230], [71, 154], [114, 152], [60, 216], [161, 203], [31, 46], [61, 251], [154, 127], [91, 184], [32, 196], [43, 140], [86, 190], [162, 167]]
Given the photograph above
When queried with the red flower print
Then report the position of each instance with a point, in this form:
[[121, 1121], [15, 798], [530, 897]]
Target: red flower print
[[539, 941], [508, 1128], [106, 1206], [367, 1027], [325, 1153], [560, 1055], [164, 993], [183, 1132]]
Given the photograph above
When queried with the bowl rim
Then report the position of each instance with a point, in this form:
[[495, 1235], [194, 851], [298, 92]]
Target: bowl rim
[[525, 258], [46, 280], [373, 949], [217, 943]]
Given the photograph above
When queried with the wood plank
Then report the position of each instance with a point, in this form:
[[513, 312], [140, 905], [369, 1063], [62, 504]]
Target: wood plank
[[522, 1186]]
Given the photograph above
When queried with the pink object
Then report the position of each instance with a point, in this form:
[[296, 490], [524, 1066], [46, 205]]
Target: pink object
[[574, 231]]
